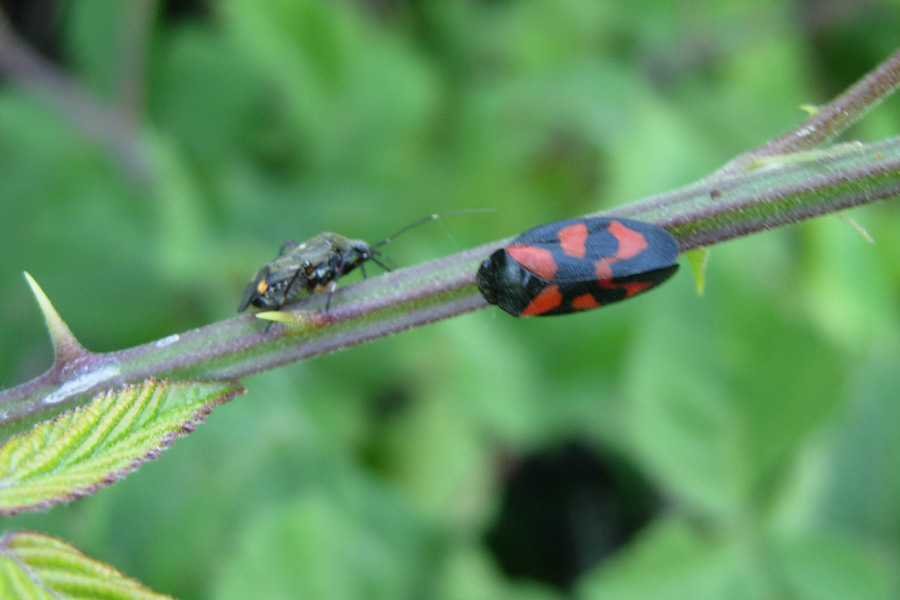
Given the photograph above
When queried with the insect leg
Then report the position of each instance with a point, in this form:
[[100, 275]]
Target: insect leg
[[288, 287], [375, 260], [337, 268]]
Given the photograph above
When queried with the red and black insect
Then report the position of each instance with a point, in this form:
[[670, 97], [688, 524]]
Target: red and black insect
[[578, 264]]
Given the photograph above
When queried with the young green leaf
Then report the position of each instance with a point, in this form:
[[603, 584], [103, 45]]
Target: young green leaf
[[698, 258], [96, 444], [33, 565]]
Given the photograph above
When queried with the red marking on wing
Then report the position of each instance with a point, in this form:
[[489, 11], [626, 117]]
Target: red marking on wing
[[631, 243], [636, 287], [632, 288], [603, 269], [548, 299], [584, 302], [572, 239], [537, 260]]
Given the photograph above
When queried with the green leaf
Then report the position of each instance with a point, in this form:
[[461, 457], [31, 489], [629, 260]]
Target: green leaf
[[713, 431], [352, 543], [97, 443], [90, 38], [299, 322], [672, 560], [857, 482], [37, 566], [349, 89], [826, 566]]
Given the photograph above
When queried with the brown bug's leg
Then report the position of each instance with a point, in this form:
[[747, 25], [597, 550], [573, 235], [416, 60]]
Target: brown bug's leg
[[288, 287], [337, 268], [375, 259], [331, 287]]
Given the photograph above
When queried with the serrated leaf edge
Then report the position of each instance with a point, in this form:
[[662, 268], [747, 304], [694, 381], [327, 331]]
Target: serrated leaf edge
[[67, 566], [165, 437]]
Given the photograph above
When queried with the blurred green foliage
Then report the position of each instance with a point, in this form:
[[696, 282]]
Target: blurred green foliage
[[764, 412]]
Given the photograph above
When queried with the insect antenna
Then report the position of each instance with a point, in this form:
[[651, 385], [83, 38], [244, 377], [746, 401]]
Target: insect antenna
[[422, 221]]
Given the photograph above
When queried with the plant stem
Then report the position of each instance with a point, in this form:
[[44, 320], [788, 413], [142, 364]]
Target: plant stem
[[759, 190], [112, 129]]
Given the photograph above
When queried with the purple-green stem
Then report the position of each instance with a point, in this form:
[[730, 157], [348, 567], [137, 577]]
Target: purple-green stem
[[759, 190]]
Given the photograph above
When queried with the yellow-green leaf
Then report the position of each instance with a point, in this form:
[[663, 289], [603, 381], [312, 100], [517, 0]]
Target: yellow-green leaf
[[95, 444], [296, 321], [37, 566], [698, 259]]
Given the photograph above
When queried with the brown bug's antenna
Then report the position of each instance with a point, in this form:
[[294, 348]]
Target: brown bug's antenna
[[430, 217]]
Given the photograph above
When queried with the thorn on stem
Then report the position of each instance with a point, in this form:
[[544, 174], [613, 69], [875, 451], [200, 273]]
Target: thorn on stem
[[65, 347]]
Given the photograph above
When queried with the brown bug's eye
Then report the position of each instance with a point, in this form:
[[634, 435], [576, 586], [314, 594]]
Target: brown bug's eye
[[262, 287]]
